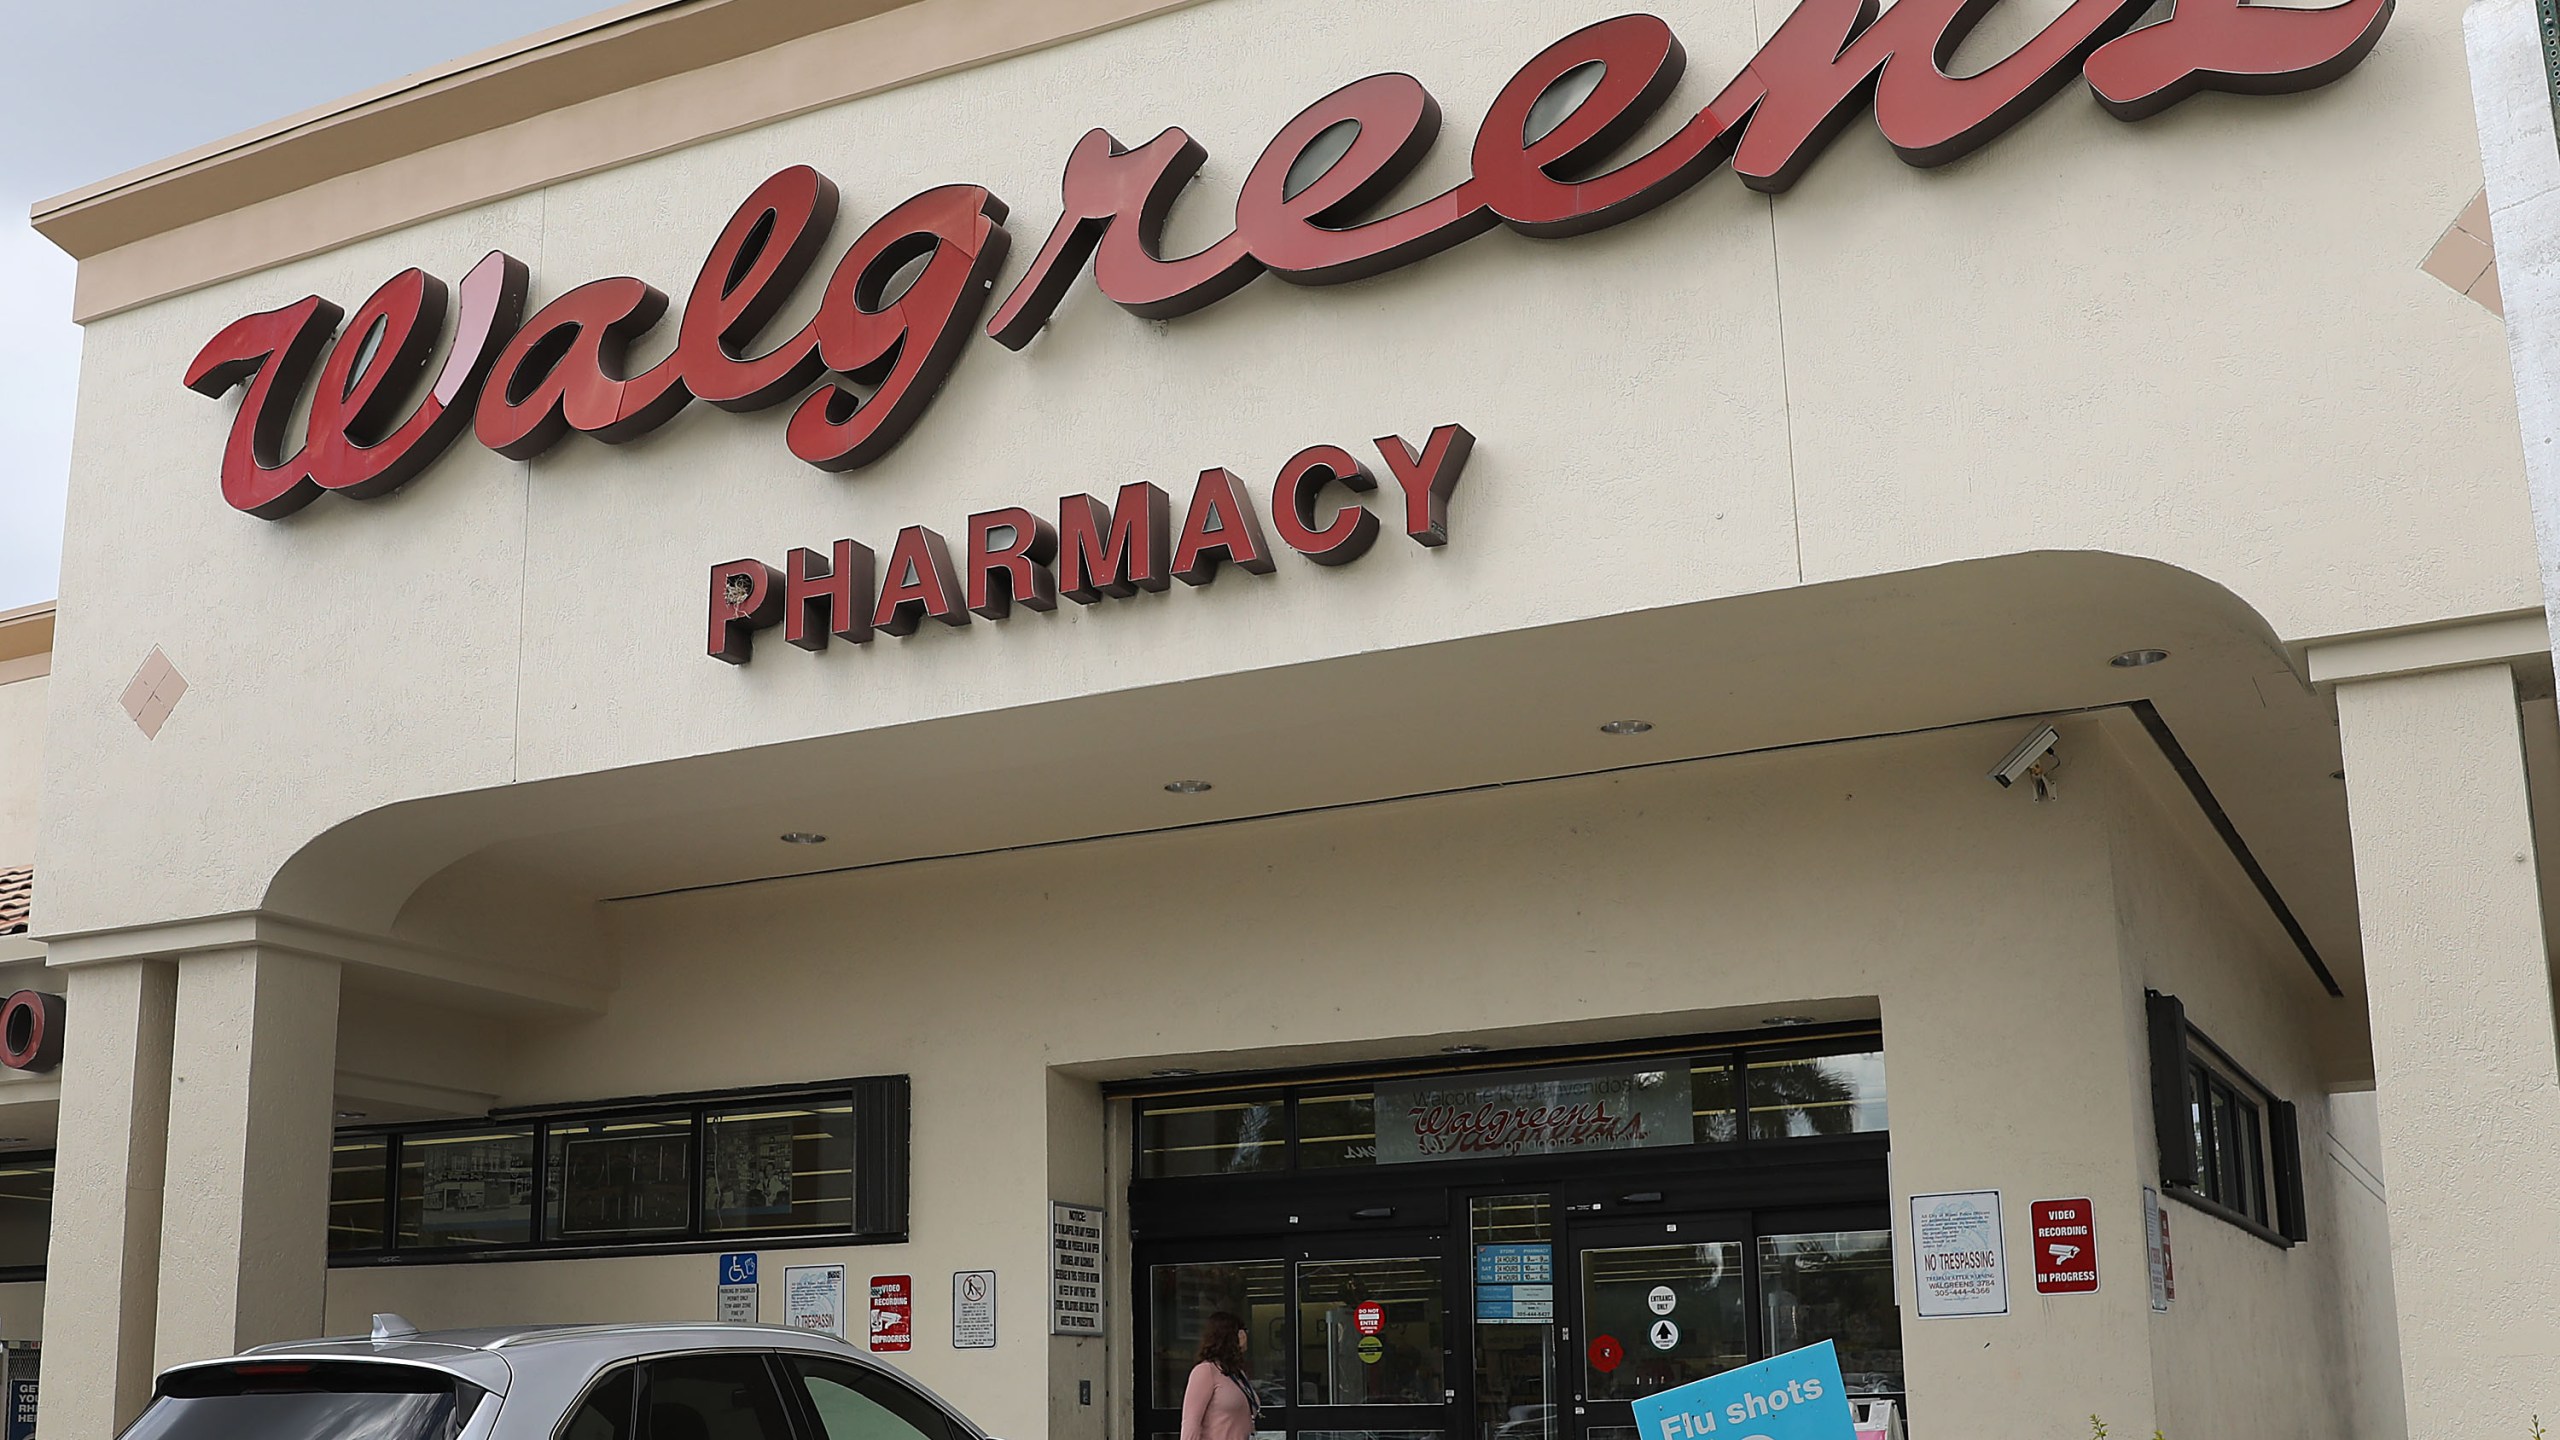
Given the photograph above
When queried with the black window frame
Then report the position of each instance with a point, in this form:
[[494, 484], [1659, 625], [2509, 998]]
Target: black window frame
[[19, 1274], [1729, 1053], [2189, 1073], [881, 1108]]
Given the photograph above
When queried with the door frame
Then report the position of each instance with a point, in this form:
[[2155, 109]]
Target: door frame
[[1623, 1230]]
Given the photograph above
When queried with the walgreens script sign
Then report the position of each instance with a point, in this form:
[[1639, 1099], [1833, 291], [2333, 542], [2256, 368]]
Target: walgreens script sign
[[861, 373]]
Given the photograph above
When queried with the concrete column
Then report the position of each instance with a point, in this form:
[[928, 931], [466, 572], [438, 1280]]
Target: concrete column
[[2466, 1058], [244, 1235], [103, 1268]]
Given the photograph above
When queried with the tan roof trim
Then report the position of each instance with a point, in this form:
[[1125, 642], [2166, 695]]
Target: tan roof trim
[[639, 80], [25, 631]]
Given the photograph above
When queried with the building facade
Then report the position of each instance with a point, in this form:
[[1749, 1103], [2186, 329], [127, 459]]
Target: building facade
[[1806, 700]]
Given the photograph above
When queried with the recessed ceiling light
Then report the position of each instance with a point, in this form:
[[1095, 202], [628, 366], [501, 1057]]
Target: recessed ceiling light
[[1189, 787], [2136, 659], [1788, 1020], [802, 837], [351, 1114], [1173, 1072], [1626, 727], [1462, 1049]]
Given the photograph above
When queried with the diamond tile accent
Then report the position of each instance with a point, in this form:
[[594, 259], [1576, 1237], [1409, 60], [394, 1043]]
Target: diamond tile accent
[[2465, 257], [155, 691]]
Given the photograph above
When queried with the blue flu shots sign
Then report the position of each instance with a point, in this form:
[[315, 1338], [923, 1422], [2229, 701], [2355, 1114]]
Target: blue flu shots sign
[[1795, 1396]]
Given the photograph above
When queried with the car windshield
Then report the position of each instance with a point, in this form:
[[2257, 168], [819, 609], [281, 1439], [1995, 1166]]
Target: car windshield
[[307, 1400]]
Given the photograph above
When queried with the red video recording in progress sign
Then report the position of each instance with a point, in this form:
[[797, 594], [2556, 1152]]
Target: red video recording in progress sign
[[893, 1312], [2066, 1248], [1371, 1317]]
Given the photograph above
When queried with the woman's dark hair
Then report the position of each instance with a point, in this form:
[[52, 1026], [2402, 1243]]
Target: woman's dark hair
[[1222, 1341]]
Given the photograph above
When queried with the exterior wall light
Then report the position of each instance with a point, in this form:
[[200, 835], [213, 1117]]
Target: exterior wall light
[[802, 837], [2136, 659], [1626, 727], [1188, 787]]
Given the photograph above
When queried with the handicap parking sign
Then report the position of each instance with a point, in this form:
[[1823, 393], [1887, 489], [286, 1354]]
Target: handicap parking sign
[[738, 1269], [1795, 1396]]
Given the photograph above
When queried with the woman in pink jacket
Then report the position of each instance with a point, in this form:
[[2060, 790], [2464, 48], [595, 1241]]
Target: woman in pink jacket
[[1219, 1403]]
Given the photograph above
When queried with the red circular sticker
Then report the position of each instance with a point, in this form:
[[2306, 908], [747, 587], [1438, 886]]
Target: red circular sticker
[[1607, 1353], [1371, 1317]]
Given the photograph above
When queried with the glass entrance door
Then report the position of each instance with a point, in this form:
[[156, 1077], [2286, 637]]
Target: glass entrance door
[[1346, 1338], [1373, 1343], [1658, 1303]]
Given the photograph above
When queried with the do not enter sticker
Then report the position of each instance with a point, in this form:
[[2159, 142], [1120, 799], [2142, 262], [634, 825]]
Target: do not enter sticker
[[1607, 1354], [1370, 1317]]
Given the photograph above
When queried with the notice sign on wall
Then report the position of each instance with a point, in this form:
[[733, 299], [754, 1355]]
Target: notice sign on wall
[[1075, 1269], [1955, 1243], [2066, 1248], [973, 1310], [2155, 1238], [893, 1313], [737, 1293], [813, 1298]]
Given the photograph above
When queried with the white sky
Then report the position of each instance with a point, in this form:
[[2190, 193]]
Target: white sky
[[91, 88]]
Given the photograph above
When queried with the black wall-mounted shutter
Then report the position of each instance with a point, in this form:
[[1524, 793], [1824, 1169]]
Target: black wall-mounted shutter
[[2169, 1108], [880, 1110], [2287, 1128]]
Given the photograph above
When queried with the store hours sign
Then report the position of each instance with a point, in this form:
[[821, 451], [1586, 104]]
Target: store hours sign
[[903, 300]]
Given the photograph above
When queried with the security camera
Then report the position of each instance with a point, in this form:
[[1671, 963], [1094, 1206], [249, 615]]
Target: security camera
[[2035, 760]]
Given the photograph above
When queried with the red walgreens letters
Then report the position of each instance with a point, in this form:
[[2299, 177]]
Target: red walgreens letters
[[877, 358], [1016, 557]]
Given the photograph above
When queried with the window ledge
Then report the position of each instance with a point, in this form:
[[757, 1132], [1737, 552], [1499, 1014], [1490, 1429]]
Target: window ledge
[[2197, 1200], [545, 1250]]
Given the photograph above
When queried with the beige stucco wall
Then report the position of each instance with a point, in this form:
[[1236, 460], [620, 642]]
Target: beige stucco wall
[[1994, 936], [2203, 339], [2191, 928], [22, 721]]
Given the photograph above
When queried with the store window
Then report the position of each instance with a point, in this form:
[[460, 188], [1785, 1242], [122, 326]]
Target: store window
[[1716, 1114], [2228, 1144], [2230, 1136], [679, 1173], [1775, 1091], [466, 1188], [1212, 1137], [1806, 1095], [1337, 1130], [1184, 1296], [26, 1211], [1838, 1286], [770, 1169], [620, 1178], [360, 1194]]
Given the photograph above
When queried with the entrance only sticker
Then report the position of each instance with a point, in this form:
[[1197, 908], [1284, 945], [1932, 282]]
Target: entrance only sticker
[[1795, 1396]]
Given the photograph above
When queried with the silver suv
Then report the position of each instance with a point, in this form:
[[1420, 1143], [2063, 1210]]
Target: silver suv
[[584, 1382]]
